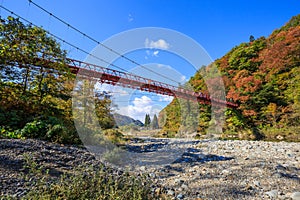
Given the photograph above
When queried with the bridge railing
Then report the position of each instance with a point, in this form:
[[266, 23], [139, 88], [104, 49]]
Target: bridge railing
[[115, 77]]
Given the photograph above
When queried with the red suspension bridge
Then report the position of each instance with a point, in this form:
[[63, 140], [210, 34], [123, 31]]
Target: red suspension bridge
[[128, 80]]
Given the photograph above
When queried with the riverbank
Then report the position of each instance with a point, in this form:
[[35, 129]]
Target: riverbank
[[205, 170]]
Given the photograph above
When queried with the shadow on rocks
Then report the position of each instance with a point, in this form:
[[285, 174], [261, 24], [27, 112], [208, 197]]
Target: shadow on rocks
[[195, 156]]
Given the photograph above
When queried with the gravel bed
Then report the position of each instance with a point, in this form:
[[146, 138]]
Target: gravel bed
[[206, 170], [234, 170], [15, 155]]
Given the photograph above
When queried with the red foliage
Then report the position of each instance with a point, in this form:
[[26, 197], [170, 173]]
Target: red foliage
[[278, 54], [249, 113]]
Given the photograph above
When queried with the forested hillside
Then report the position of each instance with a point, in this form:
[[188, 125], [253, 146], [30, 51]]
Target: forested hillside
[[263, 77]]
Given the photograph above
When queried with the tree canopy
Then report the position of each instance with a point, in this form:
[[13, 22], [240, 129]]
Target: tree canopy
[[36, 86], [263, 77]]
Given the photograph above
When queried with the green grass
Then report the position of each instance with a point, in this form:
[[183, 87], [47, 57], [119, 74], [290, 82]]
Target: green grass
[[91, 184], [88, 183]]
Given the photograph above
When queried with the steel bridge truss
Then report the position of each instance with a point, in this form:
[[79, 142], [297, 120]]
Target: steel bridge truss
[[128, 80]]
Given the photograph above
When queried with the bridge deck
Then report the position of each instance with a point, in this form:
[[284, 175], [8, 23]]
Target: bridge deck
[[114, 77]]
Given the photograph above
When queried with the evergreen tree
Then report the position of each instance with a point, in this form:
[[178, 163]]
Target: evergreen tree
[[147, 120], [154, 123]]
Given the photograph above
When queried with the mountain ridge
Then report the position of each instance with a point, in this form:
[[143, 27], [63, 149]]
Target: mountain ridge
[[123, 120]]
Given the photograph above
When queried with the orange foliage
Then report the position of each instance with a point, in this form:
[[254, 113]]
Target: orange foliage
[[277, 56], [249, 113]]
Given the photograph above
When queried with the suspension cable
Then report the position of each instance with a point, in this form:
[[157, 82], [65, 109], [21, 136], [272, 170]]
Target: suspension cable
[[101, 44]]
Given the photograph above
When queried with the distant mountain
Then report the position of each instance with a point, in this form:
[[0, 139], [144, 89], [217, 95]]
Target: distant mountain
[[122, 120], [263, 77]]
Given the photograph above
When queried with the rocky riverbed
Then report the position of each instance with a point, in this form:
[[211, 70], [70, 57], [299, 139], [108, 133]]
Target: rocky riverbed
[[206, 169]]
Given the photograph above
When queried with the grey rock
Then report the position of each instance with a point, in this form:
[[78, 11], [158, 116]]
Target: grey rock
[[277, 175], [180, 196], [184, 187], [256, 183], [178, 181], [225, 171], [171, 192], [272, 193], [152, 175], [295, 196]]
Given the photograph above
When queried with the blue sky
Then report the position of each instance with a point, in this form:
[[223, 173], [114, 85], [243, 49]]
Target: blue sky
[[217, 25]]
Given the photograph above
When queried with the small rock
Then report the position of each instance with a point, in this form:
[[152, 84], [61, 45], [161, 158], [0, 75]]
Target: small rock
[[256, 183], [184, 187], [157, 191], [152, 175], [272, 194], [171, 192], [178, 181], [191, 170], [295, 196], [249, 187], [180, 196], [277, 175], [225, 171]]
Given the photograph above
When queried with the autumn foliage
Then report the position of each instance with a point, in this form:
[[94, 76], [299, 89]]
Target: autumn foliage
[[262, 76]]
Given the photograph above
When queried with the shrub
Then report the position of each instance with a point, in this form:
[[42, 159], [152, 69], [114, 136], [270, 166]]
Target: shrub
[[91, 183], [113, 135], [8, 133], [50, 129], [35, 129], [59, 133]]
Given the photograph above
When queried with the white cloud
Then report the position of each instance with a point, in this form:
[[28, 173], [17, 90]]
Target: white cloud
[[141, 102], [141, 107], [130, 18], [159, 44], [151, 53]]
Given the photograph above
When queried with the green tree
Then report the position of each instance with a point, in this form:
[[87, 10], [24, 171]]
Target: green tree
[[251, 38], [29, 64], [103, 110], [262, 76], [36, 85], [147, 120], [154, 123]]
